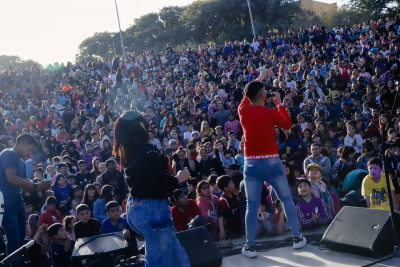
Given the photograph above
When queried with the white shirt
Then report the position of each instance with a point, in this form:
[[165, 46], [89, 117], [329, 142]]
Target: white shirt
[[187, 135], [348, 141]]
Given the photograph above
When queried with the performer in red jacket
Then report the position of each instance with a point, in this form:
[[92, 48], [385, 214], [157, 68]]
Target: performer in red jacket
[[262, 161]]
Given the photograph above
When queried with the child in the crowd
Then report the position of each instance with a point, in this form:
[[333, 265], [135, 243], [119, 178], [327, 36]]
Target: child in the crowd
[[280, 218], [319, 189], [228, 214], [71, 179], [374, 187], [61, 248], [183, 211], [352, 139], [228, 159], [310, 209], [74, 203], [208, 204], [61, 189], [69, 223], [114, 223], [29, 209], [192, 184], [51, 214], [87, 226], [215, 191]]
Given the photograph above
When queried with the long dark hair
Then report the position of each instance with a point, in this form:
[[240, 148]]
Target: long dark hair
[[85, 199], [105, 193], [291, 178], [128, 134], [346, 152]]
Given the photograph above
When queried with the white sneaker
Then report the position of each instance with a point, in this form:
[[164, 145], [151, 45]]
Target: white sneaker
[[249, 252], [299, 242]]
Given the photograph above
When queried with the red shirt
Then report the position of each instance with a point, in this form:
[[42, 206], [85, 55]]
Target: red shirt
[[258, 123], [181, 219]]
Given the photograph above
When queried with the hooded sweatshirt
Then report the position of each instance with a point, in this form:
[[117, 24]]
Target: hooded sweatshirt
[[305, 210], [209, 210]]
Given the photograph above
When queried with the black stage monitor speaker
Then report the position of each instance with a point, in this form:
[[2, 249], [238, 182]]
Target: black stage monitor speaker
[[363, 231], [200, 247], [96, 247]]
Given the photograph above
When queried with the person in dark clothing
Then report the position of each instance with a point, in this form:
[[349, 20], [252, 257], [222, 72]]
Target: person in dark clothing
[[73, 154], [150, 183], [114, 178], [205, 163], [87, 226], [107, 151], [62, 247], [83, 177]]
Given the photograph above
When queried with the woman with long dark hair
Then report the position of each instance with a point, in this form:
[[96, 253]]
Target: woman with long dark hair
[[99, 206], [90, 195], [345, 164], [292, 181], [150, 183]]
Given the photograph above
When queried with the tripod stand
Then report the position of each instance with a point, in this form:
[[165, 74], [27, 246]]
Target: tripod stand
[[396, 249]]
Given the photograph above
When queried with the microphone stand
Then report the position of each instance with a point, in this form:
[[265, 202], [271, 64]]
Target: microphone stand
[[396, 249]]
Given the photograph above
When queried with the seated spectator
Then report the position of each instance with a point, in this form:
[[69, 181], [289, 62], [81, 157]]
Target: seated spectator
[[374, 187], [191, 187], [116, 179], [69, 222], [90, 195], [86, 227], [310, 209], [208, 204], [61, 189], [318, 188], [228, 215], [99, 206], [114, 223], [183, 211], [61, 248], [215, 191], [51, 214]]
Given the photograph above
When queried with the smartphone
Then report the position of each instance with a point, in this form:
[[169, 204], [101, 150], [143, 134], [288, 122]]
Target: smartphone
[[46, 177]]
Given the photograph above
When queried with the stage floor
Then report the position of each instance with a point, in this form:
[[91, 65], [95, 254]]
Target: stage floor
[[309, 256]]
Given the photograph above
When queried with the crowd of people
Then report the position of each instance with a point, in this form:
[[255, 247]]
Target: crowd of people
[[338, 87]]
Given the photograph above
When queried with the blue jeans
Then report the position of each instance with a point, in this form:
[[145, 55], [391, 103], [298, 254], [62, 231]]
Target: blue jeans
[[14, 225], [256, 171], [151, 219]]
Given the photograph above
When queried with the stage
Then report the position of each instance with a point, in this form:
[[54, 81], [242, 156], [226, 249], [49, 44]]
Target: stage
[[308, 256]]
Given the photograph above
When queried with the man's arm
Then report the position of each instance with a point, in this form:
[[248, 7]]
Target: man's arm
[[326, 166], [305, 164], [16, 181]]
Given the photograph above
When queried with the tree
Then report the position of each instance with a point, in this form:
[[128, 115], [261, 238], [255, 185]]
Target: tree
[[100, 45], [16, 62], [342, 15], [376, 8]]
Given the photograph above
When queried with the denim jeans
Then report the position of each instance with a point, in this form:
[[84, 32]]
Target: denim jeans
[[14, 225], [256, 171], [151, 219]]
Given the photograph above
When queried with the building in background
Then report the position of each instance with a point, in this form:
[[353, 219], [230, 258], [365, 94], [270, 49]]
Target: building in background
[[317, 6]]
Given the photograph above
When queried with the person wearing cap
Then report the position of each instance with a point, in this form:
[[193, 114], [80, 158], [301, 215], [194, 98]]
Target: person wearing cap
[[261, 156], [319, 189], [310, 209], [173, 144]]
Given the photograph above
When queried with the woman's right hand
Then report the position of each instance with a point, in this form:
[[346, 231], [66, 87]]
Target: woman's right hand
[[183, 175]]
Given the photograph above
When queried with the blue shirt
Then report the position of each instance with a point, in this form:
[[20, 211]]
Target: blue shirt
[[107, 227], [61, 193], [10, 160]]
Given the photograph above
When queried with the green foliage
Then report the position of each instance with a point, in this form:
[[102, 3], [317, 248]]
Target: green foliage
[[15, 62], [344, 15], [376, 8], [203, 21]]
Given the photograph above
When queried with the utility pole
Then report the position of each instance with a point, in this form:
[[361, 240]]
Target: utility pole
[[120, 32], [251, 17]]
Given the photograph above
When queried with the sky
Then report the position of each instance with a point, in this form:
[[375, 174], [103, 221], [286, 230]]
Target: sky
[[50, 31]]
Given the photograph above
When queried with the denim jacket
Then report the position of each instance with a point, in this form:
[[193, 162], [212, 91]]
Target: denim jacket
[[99, 210]]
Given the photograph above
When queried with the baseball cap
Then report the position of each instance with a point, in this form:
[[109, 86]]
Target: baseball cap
[[195, 132], [172, 141], [313, 165]]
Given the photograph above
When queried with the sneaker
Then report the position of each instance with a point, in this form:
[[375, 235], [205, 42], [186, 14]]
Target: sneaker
[[299, 242], [249, 252]]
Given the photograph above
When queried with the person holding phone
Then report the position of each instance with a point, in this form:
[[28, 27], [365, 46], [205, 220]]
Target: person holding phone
[[150, 183], [12, 180]]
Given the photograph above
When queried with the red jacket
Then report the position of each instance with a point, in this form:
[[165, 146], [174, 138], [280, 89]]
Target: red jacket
[[258, 123], [181, 219], [48, 218]]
